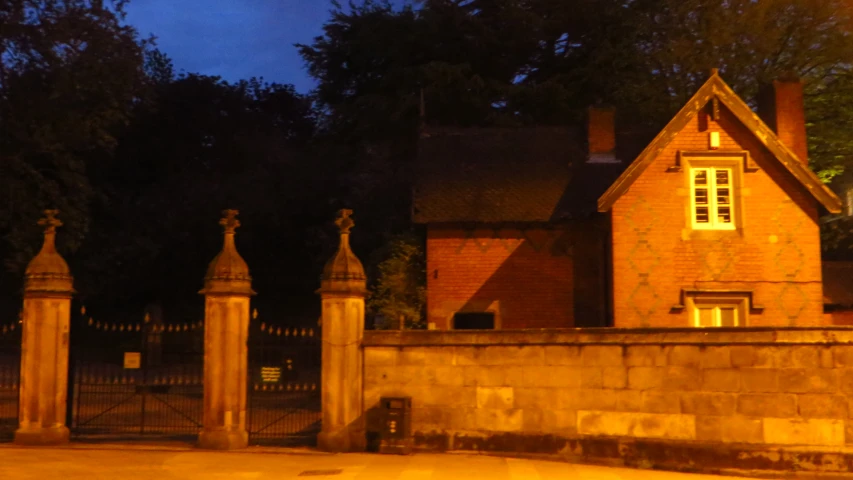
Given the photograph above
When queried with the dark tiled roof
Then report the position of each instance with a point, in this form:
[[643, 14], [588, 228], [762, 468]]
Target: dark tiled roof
[[505, 175], [838, 283]]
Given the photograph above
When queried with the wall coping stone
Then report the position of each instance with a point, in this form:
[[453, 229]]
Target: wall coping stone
[[833, 335]]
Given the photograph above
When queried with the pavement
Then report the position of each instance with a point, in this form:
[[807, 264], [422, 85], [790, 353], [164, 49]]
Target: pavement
[[158, 462]]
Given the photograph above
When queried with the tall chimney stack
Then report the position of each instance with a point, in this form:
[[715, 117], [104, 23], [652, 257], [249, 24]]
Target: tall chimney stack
[[780, 105], [601, 135]]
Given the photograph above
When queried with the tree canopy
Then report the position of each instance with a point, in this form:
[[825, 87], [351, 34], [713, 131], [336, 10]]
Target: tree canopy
[[494, 62], [70, 72], [95, 121]]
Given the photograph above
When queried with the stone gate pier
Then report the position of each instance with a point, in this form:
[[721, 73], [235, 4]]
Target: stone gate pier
[[44, 345]]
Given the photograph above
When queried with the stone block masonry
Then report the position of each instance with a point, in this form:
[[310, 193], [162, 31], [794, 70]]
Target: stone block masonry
[[565, 391]]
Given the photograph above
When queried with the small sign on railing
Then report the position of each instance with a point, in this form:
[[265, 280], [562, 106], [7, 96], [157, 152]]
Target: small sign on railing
[[132, 360], [270, 374]]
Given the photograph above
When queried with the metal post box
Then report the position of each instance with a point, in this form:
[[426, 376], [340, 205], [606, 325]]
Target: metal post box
[[396, 434]]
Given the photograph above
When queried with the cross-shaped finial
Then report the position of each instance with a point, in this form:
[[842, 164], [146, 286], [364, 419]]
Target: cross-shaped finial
[[229, 221], [50, 222], [344, 222]]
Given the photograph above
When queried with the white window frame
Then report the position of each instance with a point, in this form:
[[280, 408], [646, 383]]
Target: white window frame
[[714, 222], [738, 302]]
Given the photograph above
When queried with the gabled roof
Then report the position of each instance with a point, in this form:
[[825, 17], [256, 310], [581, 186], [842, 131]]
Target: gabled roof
[[716, 87], [501, 175]]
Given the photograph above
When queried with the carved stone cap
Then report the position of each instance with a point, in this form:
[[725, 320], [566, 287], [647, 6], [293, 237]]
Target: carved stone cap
[[228, 273], [343, 273], [48, 272]]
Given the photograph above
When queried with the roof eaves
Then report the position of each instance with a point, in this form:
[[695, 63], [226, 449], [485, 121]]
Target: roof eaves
[[716, 87]]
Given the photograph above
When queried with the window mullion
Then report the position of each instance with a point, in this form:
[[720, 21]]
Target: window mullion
[[712, 197]]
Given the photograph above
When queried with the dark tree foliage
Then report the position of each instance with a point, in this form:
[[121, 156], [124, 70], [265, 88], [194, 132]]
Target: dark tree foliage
[[94, 121], [70, 71], [516, 62], [198, 146]]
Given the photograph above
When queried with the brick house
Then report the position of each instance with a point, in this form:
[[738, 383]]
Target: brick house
[[714, 223]]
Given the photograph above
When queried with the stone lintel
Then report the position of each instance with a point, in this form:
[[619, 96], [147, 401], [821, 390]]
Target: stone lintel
[[228, 291], [343, 291], [42, 436], [615, 336], [223, 439], [49, 293]]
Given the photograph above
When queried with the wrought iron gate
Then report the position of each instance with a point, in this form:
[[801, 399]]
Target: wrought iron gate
[[135, 379], [283, 400], [10, 371]]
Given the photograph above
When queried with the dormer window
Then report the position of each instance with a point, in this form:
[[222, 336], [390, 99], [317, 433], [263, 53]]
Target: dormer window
[[711, 198]]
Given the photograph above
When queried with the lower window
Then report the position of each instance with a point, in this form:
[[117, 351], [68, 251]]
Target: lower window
[[717, 310], [474, 321], [715, 316]]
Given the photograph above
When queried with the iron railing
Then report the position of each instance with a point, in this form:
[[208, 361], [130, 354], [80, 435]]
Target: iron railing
[[10, 371], [283, 398]]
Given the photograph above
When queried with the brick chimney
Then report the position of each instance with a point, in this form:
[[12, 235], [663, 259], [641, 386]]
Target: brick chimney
[[601, 135], [780, 105]]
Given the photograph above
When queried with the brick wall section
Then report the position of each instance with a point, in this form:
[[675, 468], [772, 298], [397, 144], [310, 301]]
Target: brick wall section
[[755, 386], [776, 254], [591, 291], [525, 276], [839, 317]]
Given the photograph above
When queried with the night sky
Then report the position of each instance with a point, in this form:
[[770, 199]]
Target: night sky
[[235, 39]]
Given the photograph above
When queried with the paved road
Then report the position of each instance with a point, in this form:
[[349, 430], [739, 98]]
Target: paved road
[[120, 462]]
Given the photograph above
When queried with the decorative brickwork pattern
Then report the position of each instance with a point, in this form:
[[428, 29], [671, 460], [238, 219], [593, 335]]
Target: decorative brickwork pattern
[[643, 259], [774, 252]]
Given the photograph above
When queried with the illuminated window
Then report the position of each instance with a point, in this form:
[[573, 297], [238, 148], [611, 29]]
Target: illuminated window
[[717, 310], [711, 198]]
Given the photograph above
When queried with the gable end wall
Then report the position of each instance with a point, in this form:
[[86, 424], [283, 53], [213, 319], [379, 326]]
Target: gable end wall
[[656, 254]]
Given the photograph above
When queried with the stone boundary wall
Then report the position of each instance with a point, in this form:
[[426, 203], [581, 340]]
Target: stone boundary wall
[[619, 392]]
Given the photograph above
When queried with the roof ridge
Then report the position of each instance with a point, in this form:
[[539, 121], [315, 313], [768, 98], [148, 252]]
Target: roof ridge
[[716, 87]]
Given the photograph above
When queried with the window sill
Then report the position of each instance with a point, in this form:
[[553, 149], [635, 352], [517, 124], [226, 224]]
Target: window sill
[[691, 234]]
